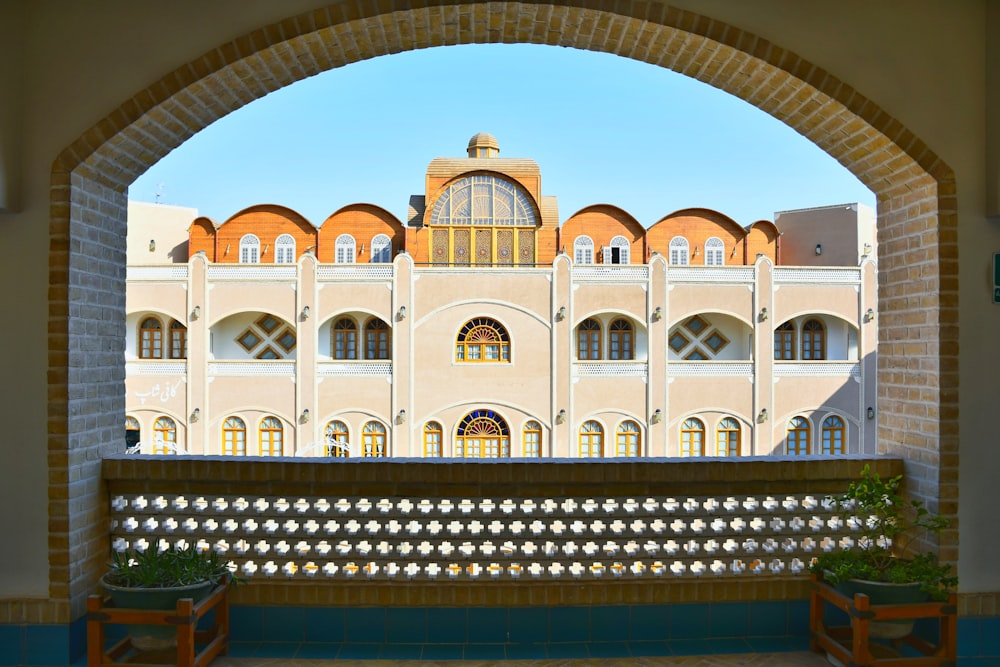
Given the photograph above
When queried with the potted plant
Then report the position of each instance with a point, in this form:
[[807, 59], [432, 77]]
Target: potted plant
[[157, 579], [882, 563]]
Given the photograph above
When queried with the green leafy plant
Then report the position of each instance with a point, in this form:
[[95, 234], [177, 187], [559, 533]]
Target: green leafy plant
[[166, 569], [888, 526]]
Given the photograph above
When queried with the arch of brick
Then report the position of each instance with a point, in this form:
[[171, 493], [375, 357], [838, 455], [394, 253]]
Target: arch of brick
[[918, 252]]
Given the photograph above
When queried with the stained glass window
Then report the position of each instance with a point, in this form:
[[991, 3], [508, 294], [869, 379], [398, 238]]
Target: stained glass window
[[483, 339], [482, 434], [483, 200]]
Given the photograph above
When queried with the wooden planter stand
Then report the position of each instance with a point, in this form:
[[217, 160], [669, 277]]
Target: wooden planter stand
[[851, 644], [185, 616]]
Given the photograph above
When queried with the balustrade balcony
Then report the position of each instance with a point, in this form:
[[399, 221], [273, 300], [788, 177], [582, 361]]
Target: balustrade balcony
[[513, 532]]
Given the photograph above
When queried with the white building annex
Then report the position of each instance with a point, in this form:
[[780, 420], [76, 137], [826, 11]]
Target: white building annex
[[481, 327]]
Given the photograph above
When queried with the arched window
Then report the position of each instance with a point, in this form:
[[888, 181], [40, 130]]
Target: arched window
[[620, 340], [164, 436], [433, 434], [693, 437], [483, 339], [381, 249], [588, 340], [377, 338], [234, 437], [249, 249], [151, 339], [531, 439], [784, 342], [345, 249], [798, 436], [482, 434], [373, 440], [715, 252], [338, 444], [284, 249], [813, 340], [628, 440], [617, 252], [483, 220], [178, 340], [679, 251], [583, 250], [727, 437], [483, 200], [591, 440], [833, 435], [133, 432], [271, 437], [345, 339]]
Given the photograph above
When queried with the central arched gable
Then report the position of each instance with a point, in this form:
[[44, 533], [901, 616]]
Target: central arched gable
[[916, 194]]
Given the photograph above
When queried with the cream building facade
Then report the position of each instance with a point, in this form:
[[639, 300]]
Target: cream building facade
[[96, 93], [483, 328]]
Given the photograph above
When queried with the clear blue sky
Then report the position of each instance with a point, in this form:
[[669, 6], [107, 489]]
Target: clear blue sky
[[603, 129]]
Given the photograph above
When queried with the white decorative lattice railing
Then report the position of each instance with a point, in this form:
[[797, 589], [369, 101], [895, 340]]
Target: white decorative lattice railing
[[146, 367], [710, 274], [644, 520], [258, 368], [157, 273], [280, 272], [331, 272], [817, 369], [354, 368], [710, 368], [817, 275], [626, 273], [610, 369]]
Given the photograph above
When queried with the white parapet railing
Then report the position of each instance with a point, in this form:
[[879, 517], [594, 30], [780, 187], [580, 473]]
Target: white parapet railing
[[265, 272], [611, 273], [168, 272], [354, 368], [711, 368], [256, 368], [157, 367], [635, 521], [610, 369], [710, 274], [817, 275], [817, 369], [354, 272]]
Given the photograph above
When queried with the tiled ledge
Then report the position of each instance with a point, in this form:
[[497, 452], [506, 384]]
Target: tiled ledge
[[522, 477]]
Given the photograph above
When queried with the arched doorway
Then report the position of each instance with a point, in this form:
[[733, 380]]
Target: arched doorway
[[915, 190]]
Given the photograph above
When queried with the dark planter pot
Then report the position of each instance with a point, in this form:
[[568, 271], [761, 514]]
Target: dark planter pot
[[154, 637], [885, 593]]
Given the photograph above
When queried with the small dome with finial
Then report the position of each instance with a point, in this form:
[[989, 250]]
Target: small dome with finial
[[483, 144]]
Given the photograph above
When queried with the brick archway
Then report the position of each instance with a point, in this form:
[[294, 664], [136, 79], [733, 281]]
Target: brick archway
[[918, 252]]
